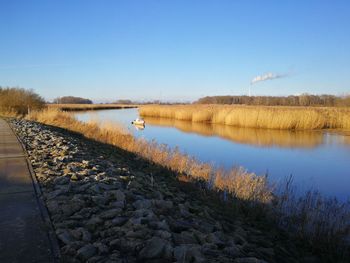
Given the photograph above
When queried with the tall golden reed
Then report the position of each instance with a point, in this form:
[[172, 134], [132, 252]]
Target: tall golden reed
[[269, 117], [237, 181]]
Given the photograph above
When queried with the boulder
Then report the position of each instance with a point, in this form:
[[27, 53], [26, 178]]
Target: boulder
[[188, 253], [142, 204], [249, 260], [153, 249], [86, 252]]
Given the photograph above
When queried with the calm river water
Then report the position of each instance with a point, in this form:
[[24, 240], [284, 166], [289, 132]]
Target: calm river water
[[316, 159]]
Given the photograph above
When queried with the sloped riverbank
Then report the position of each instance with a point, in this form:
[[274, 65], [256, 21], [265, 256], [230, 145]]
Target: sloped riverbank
[[108, 205]]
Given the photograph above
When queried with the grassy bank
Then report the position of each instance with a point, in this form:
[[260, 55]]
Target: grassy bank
[[323, 223], [86, 107], [270, 117]]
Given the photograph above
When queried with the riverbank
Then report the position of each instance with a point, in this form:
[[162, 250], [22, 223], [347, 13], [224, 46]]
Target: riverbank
[[267, 117], [319, 221], [108, 205], [236, 181], [88, 107]]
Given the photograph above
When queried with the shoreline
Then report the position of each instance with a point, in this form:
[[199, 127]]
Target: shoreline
[[106, 203]]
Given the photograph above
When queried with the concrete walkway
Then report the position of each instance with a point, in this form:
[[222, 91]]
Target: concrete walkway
[[23, 233]]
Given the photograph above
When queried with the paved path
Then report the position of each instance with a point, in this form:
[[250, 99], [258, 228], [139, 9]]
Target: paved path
[[23, 233]]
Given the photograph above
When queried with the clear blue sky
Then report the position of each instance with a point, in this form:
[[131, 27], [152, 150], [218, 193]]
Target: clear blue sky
[[174, 49]]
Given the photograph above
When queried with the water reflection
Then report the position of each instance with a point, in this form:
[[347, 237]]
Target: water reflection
[[256, 137], [139, 127], [316, 159]]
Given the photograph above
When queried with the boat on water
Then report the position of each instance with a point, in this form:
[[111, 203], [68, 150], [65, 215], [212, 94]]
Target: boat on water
[[138, 121]]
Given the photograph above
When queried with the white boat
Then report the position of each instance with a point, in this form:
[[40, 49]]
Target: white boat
[[138, 122]]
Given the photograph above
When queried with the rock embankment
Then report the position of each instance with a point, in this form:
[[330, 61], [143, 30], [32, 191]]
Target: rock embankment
[[108, 206]]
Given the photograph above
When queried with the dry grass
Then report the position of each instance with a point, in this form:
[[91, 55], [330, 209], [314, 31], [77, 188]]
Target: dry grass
[[256, 137], [9, 113], [323, 221], [270, 117], [237, 181], [85, 107]]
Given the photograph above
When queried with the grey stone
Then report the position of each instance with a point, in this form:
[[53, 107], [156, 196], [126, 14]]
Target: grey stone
[[120, 196], [102, 248], [165, 205], [153, 249], [65, 237], [163, 234], [86, 235], [61, 180], [86, 252], [178, 226], [217, 238], [142, 204], [94, 222], [184, 211], [185, 237], [159, 225], [249, 260], [139, 234], [99, 200], [232, 251], [110, 213], [119, 221], [188, 253], [118, 204]]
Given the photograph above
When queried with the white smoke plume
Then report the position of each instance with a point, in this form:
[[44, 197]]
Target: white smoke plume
[[267, 76]]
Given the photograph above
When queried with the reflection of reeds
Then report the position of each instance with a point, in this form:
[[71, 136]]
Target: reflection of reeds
[[252, 187], [271, 117], [85, 107], [258, 137], [346, 139]]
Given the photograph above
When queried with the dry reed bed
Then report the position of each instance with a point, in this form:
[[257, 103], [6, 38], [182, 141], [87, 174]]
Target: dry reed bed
[[85, 107], [237, 181], [270, 117]]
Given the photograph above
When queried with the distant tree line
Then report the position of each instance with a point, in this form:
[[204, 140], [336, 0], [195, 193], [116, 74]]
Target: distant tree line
[[127, 102], [19, 100], [301, 100], [71, 100]]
